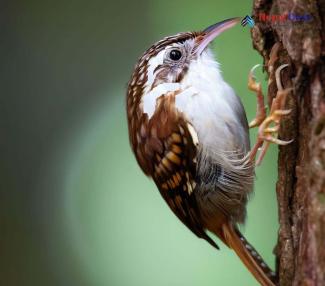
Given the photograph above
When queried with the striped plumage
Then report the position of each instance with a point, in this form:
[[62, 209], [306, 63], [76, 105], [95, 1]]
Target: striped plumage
[[189, 133]]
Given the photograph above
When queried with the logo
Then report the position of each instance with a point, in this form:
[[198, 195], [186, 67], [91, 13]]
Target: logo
[[248, 20], [283, 18]]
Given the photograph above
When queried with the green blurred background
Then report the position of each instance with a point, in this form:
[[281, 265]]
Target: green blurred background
[[75, 208]]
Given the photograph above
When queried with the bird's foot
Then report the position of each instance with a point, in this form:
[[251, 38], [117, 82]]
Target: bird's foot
[[269, 127]]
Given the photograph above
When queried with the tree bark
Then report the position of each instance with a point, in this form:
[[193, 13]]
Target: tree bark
[[300, 188]]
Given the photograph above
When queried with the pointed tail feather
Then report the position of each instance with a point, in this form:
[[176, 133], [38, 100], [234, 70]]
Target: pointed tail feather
[[248, 255]]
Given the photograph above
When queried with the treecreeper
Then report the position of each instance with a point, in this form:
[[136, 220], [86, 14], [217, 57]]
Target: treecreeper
[[189, 133]]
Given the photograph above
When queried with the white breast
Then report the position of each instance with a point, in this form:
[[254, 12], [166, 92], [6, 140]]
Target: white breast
[[213, 108]]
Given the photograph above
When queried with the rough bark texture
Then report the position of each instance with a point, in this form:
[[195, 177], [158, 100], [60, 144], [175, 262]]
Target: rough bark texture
[[301, 165]]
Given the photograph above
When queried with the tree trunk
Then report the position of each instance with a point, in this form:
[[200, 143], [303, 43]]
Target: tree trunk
[[300, 188]]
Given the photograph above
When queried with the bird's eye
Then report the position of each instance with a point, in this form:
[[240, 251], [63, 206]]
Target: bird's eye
[[175, 55]]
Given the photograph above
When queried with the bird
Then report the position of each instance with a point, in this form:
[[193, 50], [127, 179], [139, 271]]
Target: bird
[[189, 132]]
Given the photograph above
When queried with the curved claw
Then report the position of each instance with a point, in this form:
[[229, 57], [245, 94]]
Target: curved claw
[[283, 142], [270, 138], [253, 69], [252, 84], [278, 77], [282, 111]]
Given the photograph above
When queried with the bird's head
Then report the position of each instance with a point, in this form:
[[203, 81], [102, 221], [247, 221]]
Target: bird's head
[[167, 62]]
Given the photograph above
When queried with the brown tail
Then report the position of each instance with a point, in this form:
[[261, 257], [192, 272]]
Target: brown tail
[[248, 255]]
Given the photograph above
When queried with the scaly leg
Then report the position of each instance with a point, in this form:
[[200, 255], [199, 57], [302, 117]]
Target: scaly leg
[[266, 133]]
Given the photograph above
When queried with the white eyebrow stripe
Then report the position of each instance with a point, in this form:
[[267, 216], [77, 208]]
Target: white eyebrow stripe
[[152, 65], [149, 99]]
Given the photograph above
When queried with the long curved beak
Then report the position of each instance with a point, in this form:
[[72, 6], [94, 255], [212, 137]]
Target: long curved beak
[[210, 33]]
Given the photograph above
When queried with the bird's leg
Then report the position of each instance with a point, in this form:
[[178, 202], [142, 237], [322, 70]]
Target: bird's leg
[[269, 127]]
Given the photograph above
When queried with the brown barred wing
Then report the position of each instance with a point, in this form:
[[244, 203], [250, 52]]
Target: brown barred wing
[[174, 174]]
